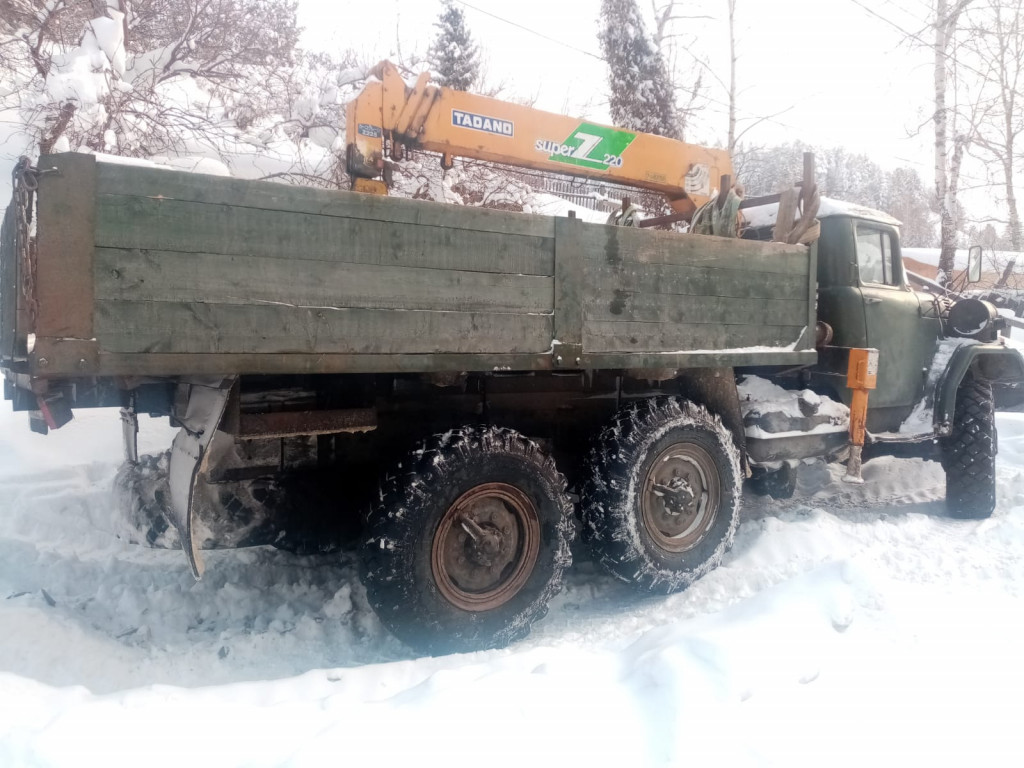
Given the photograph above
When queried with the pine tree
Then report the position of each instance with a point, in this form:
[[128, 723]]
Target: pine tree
[[767, 170], [454, 57], [641, 90]]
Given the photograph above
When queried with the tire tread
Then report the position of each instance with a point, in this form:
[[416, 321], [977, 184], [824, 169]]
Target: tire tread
[[969, 453], [609, 520]]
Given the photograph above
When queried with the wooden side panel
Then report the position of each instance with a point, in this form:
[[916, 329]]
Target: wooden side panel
[[149, 223], [198, 265], [178, 273], [726, 311], [162, 327], [665, 294], [681, 339], [8, 285], [685, 280], [152, 275], [569, 278], [151, 183], [628, 244], [64, 262]]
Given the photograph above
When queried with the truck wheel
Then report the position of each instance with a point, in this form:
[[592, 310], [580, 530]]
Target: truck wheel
[[969, 453], [468, 541], [661, 500]]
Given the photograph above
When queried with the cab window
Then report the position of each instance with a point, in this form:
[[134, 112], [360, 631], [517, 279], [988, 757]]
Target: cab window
[[875, 257]]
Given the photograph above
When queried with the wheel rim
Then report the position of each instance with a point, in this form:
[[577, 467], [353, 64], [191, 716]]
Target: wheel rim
[[681, 497], [486, 546]]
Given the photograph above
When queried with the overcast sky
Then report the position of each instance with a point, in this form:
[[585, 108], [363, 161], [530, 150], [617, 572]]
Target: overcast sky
[[843, 76]]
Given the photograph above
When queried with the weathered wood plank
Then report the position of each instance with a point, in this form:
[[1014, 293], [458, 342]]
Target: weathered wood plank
[[624, 245], [173, 225], [600, 337], [160, 364], [812, 289], [8, 284], [623, 306], [569, 287], [675, 280], [165, 327], [148, 364], [115, 179], [66, 208], [144, 275], [700, 359]]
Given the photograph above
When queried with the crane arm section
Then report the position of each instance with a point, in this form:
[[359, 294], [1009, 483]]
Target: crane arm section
[[457, 124]]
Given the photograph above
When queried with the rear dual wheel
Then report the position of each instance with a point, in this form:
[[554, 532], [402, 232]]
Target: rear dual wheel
[[661, 500], [468, 541], [471, 535]]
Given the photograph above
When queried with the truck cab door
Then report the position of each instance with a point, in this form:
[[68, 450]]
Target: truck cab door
[[896, 324]]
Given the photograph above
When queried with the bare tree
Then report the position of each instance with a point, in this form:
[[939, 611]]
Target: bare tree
[[732, 76], [304, 104], [948, 160], [687, 68], [674, 44], [148, 45], [997, 40]]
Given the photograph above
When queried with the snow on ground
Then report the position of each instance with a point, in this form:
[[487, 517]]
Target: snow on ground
[[850, 624]]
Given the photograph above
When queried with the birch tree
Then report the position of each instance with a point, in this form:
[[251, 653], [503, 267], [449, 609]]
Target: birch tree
[[732, 77], [949, 151]]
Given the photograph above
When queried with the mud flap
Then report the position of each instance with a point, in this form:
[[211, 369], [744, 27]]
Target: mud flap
[[189, 458]]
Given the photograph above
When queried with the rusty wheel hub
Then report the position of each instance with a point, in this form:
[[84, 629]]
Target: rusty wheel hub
[[681, 497], [486, 546]]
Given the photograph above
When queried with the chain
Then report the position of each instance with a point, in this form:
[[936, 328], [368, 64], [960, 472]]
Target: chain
[[25, 182]]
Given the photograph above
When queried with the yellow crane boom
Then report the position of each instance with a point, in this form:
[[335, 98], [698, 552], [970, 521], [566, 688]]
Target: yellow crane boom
[[390, 115]]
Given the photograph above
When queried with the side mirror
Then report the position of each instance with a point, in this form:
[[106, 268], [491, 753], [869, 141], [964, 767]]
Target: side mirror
[[974, 264]]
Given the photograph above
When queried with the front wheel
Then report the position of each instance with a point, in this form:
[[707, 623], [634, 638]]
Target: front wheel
[[969, 453], [661, 500], [468, 542]]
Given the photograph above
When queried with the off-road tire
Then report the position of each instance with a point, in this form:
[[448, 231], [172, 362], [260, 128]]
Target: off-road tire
[[969, 453], [410, 592], [620, 467]]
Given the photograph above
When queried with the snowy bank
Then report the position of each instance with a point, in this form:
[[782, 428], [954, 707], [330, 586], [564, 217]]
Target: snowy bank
[[850, 624]]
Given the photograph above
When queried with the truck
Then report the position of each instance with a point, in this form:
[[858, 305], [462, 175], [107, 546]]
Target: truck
[[482, 386]]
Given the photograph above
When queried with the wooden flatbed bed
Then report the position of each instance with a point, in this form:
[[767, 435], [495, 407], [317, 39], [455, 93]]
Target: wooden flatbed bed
[[140, 271]]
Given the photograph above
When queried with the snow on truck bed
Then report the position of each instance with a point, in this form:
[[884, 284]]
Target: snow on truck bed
[[851, 624]]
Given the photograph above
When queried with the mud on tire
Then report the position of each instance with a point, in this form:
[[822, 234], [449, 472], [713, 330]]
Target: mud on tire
[[969, 453], [468, 541], [661, 499]]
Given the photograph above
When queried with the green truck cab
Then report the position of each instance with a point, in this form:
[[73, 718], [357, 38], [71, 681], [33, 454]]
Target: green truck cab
[[939, 354], [928, 341], [471, 389]]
